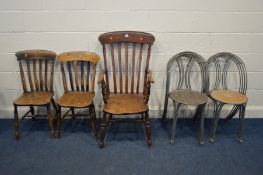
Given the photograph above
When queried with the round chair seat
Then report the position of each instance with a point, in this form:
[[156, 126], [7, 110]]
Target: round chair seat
[[188, 97], [228, 97]]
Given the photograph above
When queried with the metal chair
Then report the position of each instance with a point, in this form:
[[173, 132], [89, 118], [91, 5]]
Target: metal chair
[[81, 69], [189, 69], [224, 70], [40, 81], [127, 97]]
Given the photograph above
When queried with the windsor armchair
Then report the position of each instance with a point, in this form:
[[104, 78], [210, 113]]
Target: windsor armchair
[[190, 87], [81, 69], [228, 85], [40, 81], [130, 94]]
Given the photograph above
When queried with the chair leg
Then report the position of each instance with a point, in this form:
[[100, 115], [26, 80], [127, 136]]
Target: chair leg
[[50, 120], [54, 105], [176, 109], [73, 113], [148, 128], [32, 111], [241, 123], [201, 137], [16, 122], [103, 127], [217, 109], [93, 120], [59, 122]]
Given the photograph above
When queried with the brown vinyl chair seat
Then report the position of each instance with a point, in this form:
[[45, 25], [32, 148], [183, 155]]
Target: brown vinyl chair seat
[[76, 99], [34, 99], [188, 97], [125, 104], [228, 97]]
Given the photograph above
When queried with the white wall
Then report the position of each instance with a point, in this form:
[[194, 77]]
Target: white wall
[[203, 26]]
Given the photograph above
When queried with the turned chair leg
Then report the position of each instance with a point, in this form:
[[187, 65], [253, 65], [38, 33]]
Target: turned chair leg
[[32, 111], [241, 123], [16, 122], [103, 127], [176, 109], [59, 122], [73, 113], [50, 120], [201, 137], [148, 128], [217, 109], [93, 120]]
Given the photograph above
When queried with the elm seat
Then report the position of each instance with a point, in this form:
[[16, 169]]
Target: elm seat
[[76, 99], [34, 98], [125, 104], [188, 97], [228, 97]]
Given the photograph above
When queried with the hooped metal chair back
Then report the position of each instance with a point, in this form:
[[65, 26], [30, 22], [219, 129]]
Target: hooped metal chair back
[[221, 64]]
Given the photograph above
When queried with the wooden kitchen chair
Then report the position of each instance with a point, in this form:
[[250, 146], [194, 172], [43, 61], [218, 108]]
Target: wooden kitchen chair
[[126, 57], [81, 70], [227, 85], [39, 66], [188, 88]]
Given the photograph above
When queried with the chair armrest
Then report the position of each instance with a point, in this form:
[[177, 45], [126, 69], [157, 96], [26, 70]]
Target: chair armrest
[[150, 76], [101, 76]]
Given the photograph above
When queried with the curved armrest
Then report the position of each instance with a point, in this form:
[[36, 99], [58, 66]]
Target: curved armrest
[[150, 76], [101, 76]]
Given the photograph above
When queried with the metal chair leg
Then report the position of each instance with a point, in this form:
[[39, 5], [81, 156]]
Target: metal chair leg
[[217, 109], [16, 122], [241, 123], [201, 137], [148, 128], [103, 127], [59, 122], [50, 119], [176, 108]]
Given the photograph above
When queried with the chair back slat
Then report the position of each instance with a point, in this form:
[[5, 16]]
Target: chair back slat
[[139, 69], [127, 43], [126, 68], [113, 68], [88, 75], [33, 60], [22, 76], [147, 65], [29, 75], [40, 76], [70, 76], [81, 63], [120, 67], [82, 75], [35, 76], [133, 67], [76, 75]]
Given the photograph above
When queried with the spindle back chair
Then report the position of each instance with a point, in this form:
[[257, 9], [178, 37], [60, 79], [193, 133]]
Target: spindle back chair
[[227, 85], [126, 58], [81, 73], [39, 67]]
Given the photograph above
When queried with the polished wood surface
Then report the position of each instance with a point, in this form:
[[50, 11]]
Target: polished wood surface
[[40, 91], [79, 68], [125, 104], [34, 99], [127, 55], [228, 97], [188, 97], [76, 99], [126, 36]]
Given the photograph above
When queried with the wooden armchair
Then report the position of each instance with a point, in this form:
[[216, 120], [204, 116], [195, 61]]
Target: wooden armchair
[[130, 94], [40, 81], [81, 70]]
